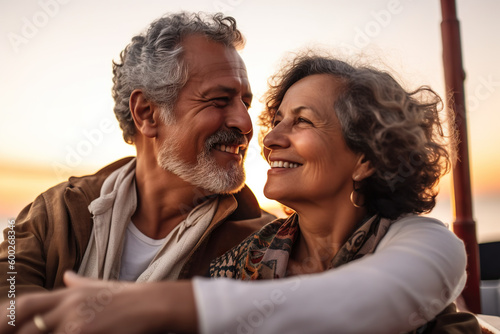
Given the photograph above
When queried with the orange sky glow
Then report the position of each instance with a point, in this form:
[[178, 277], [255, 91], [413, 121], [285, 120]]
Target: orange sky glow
[[57, 115]]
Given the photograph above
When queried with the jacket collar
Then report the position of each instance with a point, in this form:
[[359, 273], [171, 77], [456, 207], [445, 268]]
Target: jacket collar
[[77, 197], [242, 205], [248, 206], [83, 190]]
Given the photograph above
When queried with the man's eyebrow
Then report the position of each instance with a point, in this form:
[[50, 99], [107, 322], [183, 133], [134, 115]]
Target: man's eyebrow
[[228, 90]]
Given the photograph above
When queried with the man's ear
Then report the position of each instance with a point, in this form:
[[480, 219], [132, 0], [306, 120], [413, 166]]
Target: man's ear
[[144, 113], [363, 169]]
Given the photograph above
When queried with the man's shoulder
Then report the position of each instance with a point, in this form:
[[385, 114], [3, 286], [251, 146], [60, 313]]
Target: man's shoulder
[[89, 184], [100, 175], [68, 199]]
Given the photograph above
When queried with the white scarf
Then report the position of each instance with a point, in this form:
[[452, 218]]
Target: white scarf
[[112, 212]]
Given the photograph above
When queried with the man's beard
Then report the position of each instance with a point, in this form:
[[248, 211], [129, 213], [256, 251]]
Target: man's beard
[[206, 173]]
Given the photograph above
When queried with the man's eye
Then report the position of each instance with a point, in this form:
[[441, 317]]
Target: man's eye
[[274, 123], [220, 101]]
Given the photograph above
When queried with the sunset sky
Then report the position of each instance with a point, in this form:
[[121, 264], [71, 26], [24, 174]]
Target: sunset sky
[[56, 106]]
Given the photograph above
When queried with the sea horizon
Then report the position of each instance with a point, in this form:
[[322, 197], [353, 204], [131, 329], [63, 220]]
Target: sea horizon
[[486, 209]]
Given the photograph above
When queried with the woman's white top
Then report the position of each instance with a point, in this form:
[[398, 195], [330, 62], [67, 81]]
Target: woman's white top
[[416, 271]]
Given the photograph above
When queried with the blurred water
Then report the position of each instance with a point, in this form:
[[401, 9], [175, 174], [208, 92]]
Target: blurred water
[[486, 211]]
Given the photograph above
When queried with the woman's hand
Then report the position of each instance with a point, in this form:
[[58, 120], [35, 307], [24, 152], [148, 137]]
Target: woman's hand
[[94, 306]]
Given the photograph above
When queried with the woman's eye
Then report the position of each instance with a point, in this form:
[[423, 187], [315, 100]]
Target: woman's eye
[[274, 123], [304, 120]]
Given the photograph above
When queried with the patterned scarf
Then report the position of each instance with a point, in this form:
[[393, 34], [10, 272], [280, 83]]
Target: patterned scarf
[[265, 254]]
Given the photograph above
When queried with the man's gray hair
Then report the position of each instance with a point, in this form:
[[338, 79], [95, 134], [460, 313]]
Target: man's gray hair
[[153, 62]]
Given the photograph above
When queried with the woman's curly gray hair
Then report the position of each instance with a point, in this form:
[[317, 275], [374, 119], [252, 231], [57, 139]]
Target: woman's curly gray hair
[[153, 62], [399, 132]]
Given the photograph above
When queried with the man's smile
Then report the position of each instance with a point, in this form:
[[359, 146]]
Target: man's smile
[[234, 149]]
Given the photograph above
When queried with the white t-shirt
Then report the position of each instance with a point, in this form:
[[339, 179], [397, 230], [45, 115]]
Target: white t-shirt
[[138, 252], [416, 271]]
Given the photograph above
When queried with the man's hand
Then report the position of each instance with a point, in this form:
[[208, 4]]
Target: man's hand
[[93, 306]]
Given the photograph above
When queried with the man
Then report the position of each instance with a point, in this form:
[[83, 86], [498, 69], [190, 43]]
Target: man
[[182, 94]]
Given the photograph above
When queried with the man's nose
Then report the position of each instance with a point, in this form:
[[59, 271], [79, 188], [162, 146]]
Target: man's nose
[[239, 119]]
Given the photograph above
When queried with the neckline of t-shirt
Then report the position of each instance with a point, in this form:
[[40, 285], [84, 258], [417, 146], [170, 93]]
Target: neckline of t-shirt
[[144, 238]]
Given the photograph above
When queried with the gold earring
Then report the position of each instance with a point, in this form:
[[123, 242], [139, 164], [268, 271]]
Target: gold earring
[[352, 200], [351, 197]]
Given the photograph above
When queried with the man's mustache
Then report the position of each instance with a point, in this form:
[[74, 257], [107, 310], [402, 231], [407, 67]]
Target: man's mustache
[[227, 138]]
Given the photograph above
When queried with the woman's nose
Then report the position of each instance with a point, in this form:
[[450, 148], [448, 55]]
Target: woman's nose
[[277, 137]]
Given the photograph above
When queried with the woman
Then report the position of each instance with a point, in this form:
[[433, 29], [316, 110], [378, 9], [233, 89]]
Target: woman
[[357, 158]]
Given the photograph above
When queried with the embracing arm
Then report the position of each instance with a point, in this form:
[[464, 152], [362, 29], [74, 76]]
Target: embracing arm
[[96, 306], [417, 270]]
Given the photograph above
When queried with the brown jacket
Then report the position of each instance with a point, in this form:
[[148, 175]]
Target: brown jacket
[[51, 234]]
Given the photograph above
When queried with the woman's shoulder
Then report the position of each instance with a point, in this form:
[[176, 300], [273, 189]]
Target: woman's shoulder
[[417, 222], [422, 246], [423, 232]]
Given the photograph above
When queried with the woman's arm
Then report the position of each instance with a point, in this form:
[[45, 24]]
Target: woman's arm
[[417, 270]]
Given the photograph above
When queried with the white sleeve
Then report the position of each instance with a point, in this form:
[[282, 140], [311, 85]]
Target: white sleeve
[[416, 271]]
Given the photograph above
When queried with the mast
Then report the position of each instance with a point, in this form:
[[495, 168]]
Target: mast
[[463, 225]]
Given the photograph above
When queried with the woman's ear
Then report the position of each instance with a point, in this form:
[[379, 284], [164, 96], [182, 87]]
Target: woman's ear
[[143, 113], [363, 169]]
